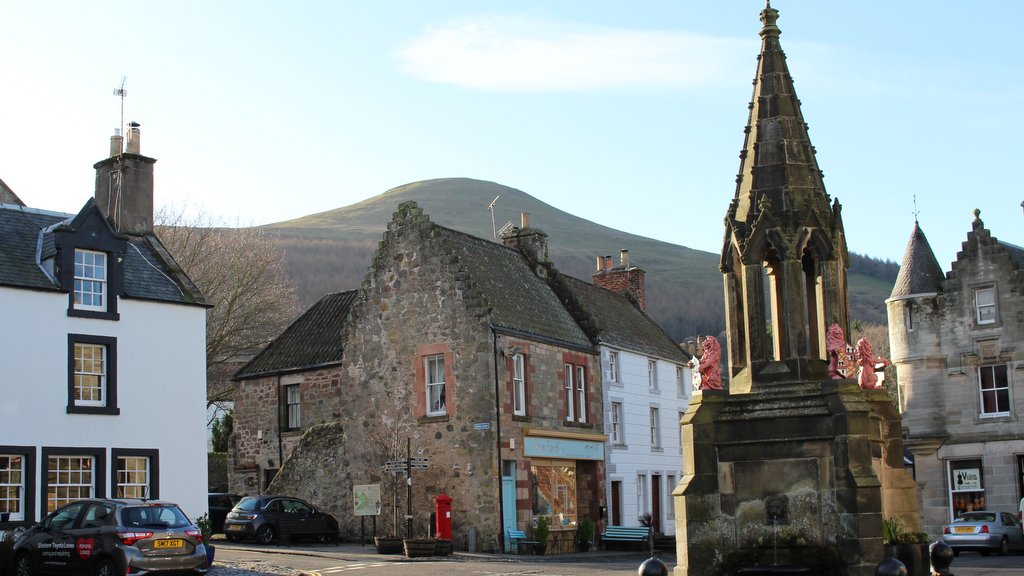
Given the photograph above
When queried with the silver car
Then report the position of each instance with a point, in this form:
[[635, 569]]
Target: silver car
[[101, 537], [984, 531]]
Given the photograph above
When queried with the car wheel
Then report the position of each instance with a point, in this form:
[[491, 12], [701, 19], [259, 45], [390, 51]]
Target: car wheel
[[106, 568], [1004, 547], [24, 566], [265, 535]]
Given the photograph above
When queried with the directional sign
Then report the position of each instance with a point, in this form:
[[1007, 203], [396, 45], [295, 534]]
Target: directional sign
[[418, 463]]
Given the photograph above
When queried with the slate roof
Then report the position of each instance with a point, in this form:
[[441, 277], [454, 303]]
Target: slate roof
[[920, 272], [1016, 253], [613, 320], [521, 301], [313, 340], [26, 238]]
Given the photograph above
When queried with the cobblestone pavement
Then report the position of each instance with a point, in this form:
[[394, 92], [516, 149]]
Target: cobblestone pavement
[[250, 568]]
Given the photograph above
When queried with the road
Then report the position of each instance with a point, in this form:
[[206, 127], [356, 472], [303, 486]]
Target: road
[[355, 560]]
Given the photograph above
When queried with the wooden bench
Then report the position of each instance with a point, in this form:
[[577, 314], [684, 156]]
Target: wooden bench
[[638, 534], [518, 539]]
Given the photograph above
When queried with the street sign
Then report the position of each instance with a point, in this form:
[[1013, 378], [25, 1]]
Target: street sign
[[418, 463], [482, 426]]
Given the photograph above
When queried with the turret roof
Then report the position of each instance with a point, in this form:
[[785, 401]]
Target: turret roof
[[920, 272]]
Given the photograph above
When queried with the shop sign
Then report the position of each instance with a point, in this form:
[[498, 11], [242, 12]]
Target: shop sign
[[562, 448], [966, 479]]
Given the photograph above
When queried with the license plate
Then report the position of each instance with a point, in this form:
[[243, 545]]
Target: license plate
[[235, 527], [168, 543], [963, 529]]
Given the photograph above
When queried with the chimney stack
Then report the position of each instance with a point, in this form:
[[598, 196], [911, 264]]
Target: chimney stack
[[531, 242], [626, 280], [124, 185]]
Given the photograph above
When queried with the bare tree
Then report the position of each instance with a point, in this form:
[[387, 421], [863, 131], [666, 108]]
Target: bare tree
[[240, 272]]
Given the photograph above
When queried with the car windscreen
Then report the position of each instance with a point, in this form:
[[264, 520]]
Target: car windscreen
[[154, 517], [248, 504], [976, 517]]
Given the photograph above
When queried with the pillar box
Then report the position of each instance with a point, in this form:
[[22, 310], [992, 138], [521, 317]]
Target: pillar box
[[443, 515]]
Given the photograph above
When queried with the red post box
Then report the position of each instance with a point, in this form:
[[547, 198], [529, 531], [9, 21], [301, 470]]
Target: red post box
[[443, 515]]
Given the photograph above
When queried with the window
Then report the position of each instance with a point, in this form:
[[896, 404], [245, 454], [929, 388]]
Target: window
[[670, 486], [519, 385], [985, 305], [909, 320], [132, 477], [434, 370], [90, 280], [655, 428], [293, 407], [680, 381], [967, 486], [617, 438], [136, 473], [652, 374], [613, 366], [69, 478], [993, 386], [641, 489], [12, 486], [575, 393], [555, 485], [92, 378]]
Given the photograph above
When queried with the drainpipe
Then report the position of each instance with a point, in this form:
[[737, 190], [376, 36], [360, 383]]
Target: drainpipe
[[497, 429]]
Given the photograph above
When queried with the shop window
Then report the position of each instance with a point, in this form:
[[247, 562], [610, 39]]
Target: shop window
[[554, 484], [967, 487]]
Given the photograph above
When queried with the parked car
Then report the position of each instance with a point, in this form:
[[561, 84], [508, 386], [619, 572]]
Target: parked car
[[220, 503], [267, 518], [984, 531], [110, 538]]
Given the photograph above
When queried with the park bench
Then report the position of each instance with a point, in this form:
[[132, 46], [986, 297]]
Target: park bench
[[518, 540], [638, 534]]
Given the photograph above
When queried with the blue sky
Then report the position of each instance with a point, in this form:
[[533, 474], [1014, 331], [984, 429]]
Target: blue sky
[[628, 114]]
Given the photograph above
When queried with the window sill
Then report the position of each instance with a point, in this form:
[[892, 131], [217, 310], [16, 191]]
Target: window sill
[[521, 418], [432, 419], [574, 424], [97, 410], [620, 447], [657, 449]]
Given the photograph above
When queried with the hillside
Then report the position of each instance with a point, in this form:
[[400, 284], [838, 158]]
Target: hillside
[[331, 251]]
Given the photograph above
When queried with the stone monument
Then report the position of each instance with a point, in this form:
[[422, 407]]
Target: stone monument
[[793, 466]]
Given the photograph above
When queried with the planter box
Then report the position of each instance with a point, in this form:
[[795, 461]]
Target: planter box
[[419, 547], [442, 547], [914, 556], [386, 545]]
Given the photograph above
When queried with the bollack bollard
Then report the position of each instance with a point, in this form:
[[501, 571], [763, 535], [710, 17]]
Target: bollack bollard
[[891, 567], [941, 556], [652, 567]]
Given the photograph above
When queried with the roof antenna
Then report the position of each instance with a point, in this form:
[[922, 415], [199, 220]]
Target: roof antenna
[[494, 232], [122, 93]]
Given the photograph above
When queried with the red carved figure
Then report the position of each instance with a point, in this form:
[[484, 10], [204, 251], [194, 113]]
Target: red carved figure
[[710, 369], [869, 364], [840, 363]]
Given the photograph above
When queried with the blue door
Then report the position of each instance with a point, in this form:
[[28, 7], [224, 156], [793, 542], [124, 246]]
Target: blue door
[[508, 499]]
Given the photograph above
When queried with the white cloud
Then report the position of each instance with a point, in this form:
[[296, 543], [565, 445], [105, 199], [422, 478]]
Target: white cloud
[[518, 54]]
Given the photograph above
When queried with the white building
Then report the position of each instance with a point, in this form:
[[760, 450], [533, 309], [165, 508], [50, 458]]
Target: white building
[[647, 388], [103, 346]]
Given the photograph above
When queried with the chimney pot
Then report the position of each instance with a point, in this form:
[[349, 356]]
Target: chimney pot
[[624, 259], [116, 143], [524, 218], [134, 135], [600, 263], [608, 263]]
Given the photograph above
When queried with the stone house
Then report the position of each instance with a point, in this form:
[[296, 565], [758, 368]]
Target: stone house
[[647, 387], [103, 348], [957, 341]]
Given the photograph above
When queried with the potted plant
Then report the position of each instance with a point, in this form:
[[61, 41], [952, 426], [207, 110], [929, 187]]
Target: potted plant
[[585, 535], [540, 533], [910, 548], [419, 547], [206, 530], [388, 544]]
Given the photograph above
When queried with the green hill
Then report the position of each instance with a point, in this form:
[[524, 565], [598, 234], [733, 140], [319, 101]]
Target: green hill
[[331, 251]]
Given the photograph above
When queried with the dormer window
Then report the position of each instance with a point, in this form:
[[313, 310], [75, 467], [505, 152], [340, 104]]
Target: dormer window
[[985, 304], [90, 280]]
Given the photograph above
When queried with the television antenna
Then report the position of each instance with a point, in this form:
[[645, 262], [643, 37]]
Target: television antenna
[[494, 232], [122, 93]]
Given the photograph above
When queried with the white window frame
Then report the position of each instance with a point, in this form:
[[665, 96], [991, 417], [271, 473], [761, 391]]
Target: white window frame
[[655, 426], [132, 477], [613, 366], [994, 391], [575, 393], [670, 485], [12, 486], [90, 379], [641, 494], [433, 375], [73, 478], [680, 381], [519, 385], [616, 419], [90, 280], [652, 374], [985, 311], [581, 394], [293, 406]]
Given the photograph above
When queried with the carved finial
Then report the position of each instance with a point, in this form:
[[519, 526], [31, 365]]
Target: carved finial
[[768, 17], [915, 209], [977, 214]]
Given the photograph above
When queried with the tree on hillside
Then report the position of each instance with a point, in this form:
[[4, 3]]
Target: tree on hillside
[[240, 272]]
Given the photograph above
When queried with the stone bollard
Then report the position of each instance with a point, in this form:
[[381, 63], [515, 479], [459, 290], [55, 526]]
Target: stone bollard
[[652, 567], [941, 556], [891, 567]]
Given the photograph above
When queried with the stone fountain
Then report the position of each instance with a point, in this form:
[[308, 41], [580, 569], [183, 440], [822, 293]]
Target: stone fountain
[[791, 467]]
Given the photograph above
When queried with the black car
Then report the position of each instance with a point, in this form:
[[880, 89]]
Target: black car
[[105, 537], [220, 504], [267, 518]]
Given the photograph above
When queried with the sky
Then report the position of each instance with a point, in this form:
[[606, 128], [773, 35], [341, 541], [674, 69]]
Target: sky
[[628, 114]]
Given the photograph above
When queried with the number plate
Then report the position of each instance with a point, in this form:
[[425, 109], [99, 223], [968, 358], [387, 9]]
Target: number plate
[[168, 543], [234, 527], [964, 529]]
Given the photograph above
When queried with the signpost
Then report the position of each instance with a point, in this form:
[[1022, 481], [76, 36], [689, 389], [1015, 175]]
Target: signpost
[[366, 501]]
